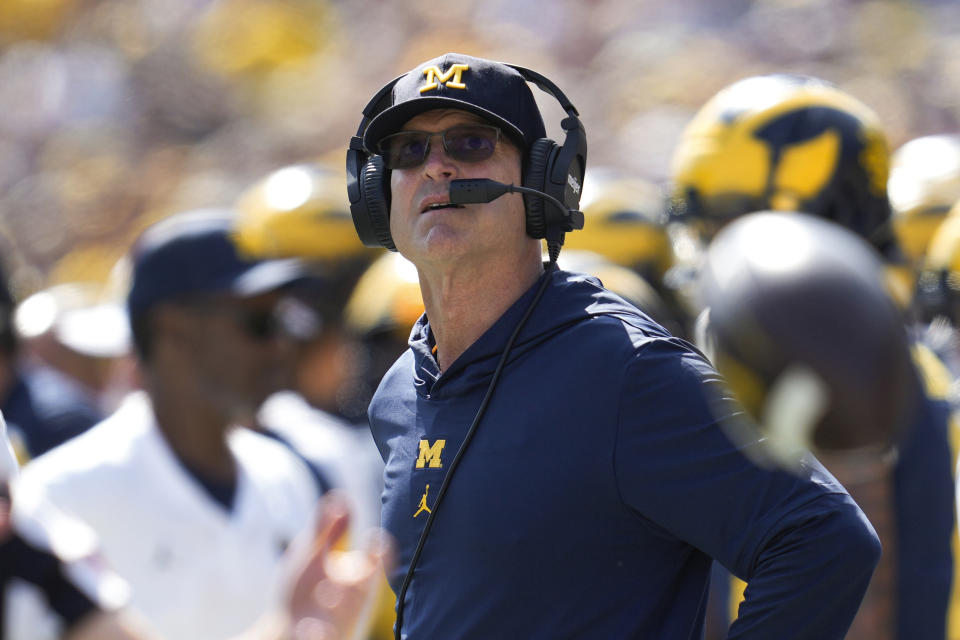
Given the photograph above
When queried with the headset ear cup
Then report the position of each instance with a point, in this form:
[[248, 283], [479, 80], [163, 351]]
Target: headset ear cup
[[372, 181], [538, 161]]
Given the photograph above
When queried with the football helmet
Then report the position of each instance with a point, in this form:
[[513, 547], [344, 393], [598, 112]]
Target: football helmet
[[924, 184], [298, 211], [804, 329], [787, 143], [380, 313], [625, 221], [386, 299]]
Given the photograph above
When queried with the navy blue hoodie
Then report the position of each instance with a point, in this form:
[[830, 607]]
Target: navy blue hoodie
[[597, 489]]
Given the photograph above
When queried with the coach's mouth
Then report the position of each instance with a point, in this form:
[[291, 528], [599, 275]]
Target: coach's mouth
[[438, 203]]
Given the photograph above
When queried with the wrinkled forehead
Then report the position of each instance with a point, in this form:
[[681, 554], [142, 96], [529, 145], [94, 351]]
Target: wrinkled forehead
[[438, 119]]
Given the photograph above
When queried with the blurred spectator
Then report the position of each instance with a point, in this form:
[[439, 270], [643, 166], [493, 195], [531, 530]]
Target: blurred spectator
[[194, 512], [43, 406], [73, 329]]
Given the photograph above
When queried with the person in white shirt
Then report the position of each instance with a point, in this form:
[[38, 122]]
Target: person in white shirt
[[192, 511]]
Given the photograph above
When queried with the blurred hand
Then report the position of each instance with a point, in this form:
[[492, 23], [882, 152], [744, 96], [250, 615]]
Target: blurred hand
[[331, 595]]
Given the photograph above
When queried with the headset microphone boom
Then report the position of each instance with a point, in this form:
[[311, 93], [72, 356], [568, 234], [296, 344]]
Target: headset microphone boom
[[485, 190]]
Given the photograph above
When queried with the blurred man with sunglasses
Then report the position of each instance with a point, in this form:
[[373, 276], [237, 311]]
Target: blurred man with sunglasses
[[194, 512], [554, 463]]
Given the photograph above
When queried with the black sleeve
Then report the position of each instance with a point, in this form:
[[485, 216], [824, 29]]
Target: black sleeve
[[19, 559]]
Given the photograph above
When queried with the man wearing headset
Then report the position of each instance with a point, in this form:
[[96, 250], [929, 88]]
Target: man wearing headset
[[579, 483]]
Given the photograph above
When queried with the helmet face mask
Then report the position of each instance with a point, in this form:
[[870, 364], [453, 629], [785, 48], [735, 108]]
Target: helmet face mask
[[788, 143], [708, 217], [938, 285]]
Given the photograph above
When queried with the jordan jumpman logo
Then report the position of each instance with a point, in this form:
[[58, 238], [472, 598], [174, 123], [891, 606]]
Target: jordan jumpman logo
[[423, 503]]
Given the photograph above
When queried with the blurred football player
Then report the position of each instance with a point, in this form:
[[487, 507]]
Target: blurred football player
[[924, 184], [938, 295], [627, 222], [796, 143], [298, 210], [785, 143]]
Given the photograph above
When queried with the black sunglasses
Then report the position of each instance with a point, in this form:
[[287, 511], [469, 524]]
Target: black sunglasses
[[464, 143], [289, 317], [258, 324]]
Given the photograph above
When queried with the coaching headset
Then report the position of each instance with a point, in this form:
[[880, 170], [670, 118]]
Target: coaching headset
[[498, 93], [552, 174]]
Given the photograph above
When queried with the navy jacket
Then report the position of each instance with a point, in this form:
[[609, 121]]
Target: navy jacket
[[597, 488], [45, 408], [924, 499]]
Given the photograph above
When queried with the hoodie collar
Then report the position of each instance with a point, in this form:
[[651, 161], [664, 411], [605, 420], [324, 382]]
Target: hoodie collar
[[569, 298]]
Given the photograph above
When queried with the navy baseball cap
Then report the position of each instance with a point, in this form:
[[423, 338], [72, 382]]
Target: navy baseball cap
[[491, 90], [194, 253]]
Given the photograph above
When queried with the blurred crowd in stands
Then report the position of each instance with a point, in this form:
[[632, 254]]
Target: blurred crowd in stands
[[117, 113]]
